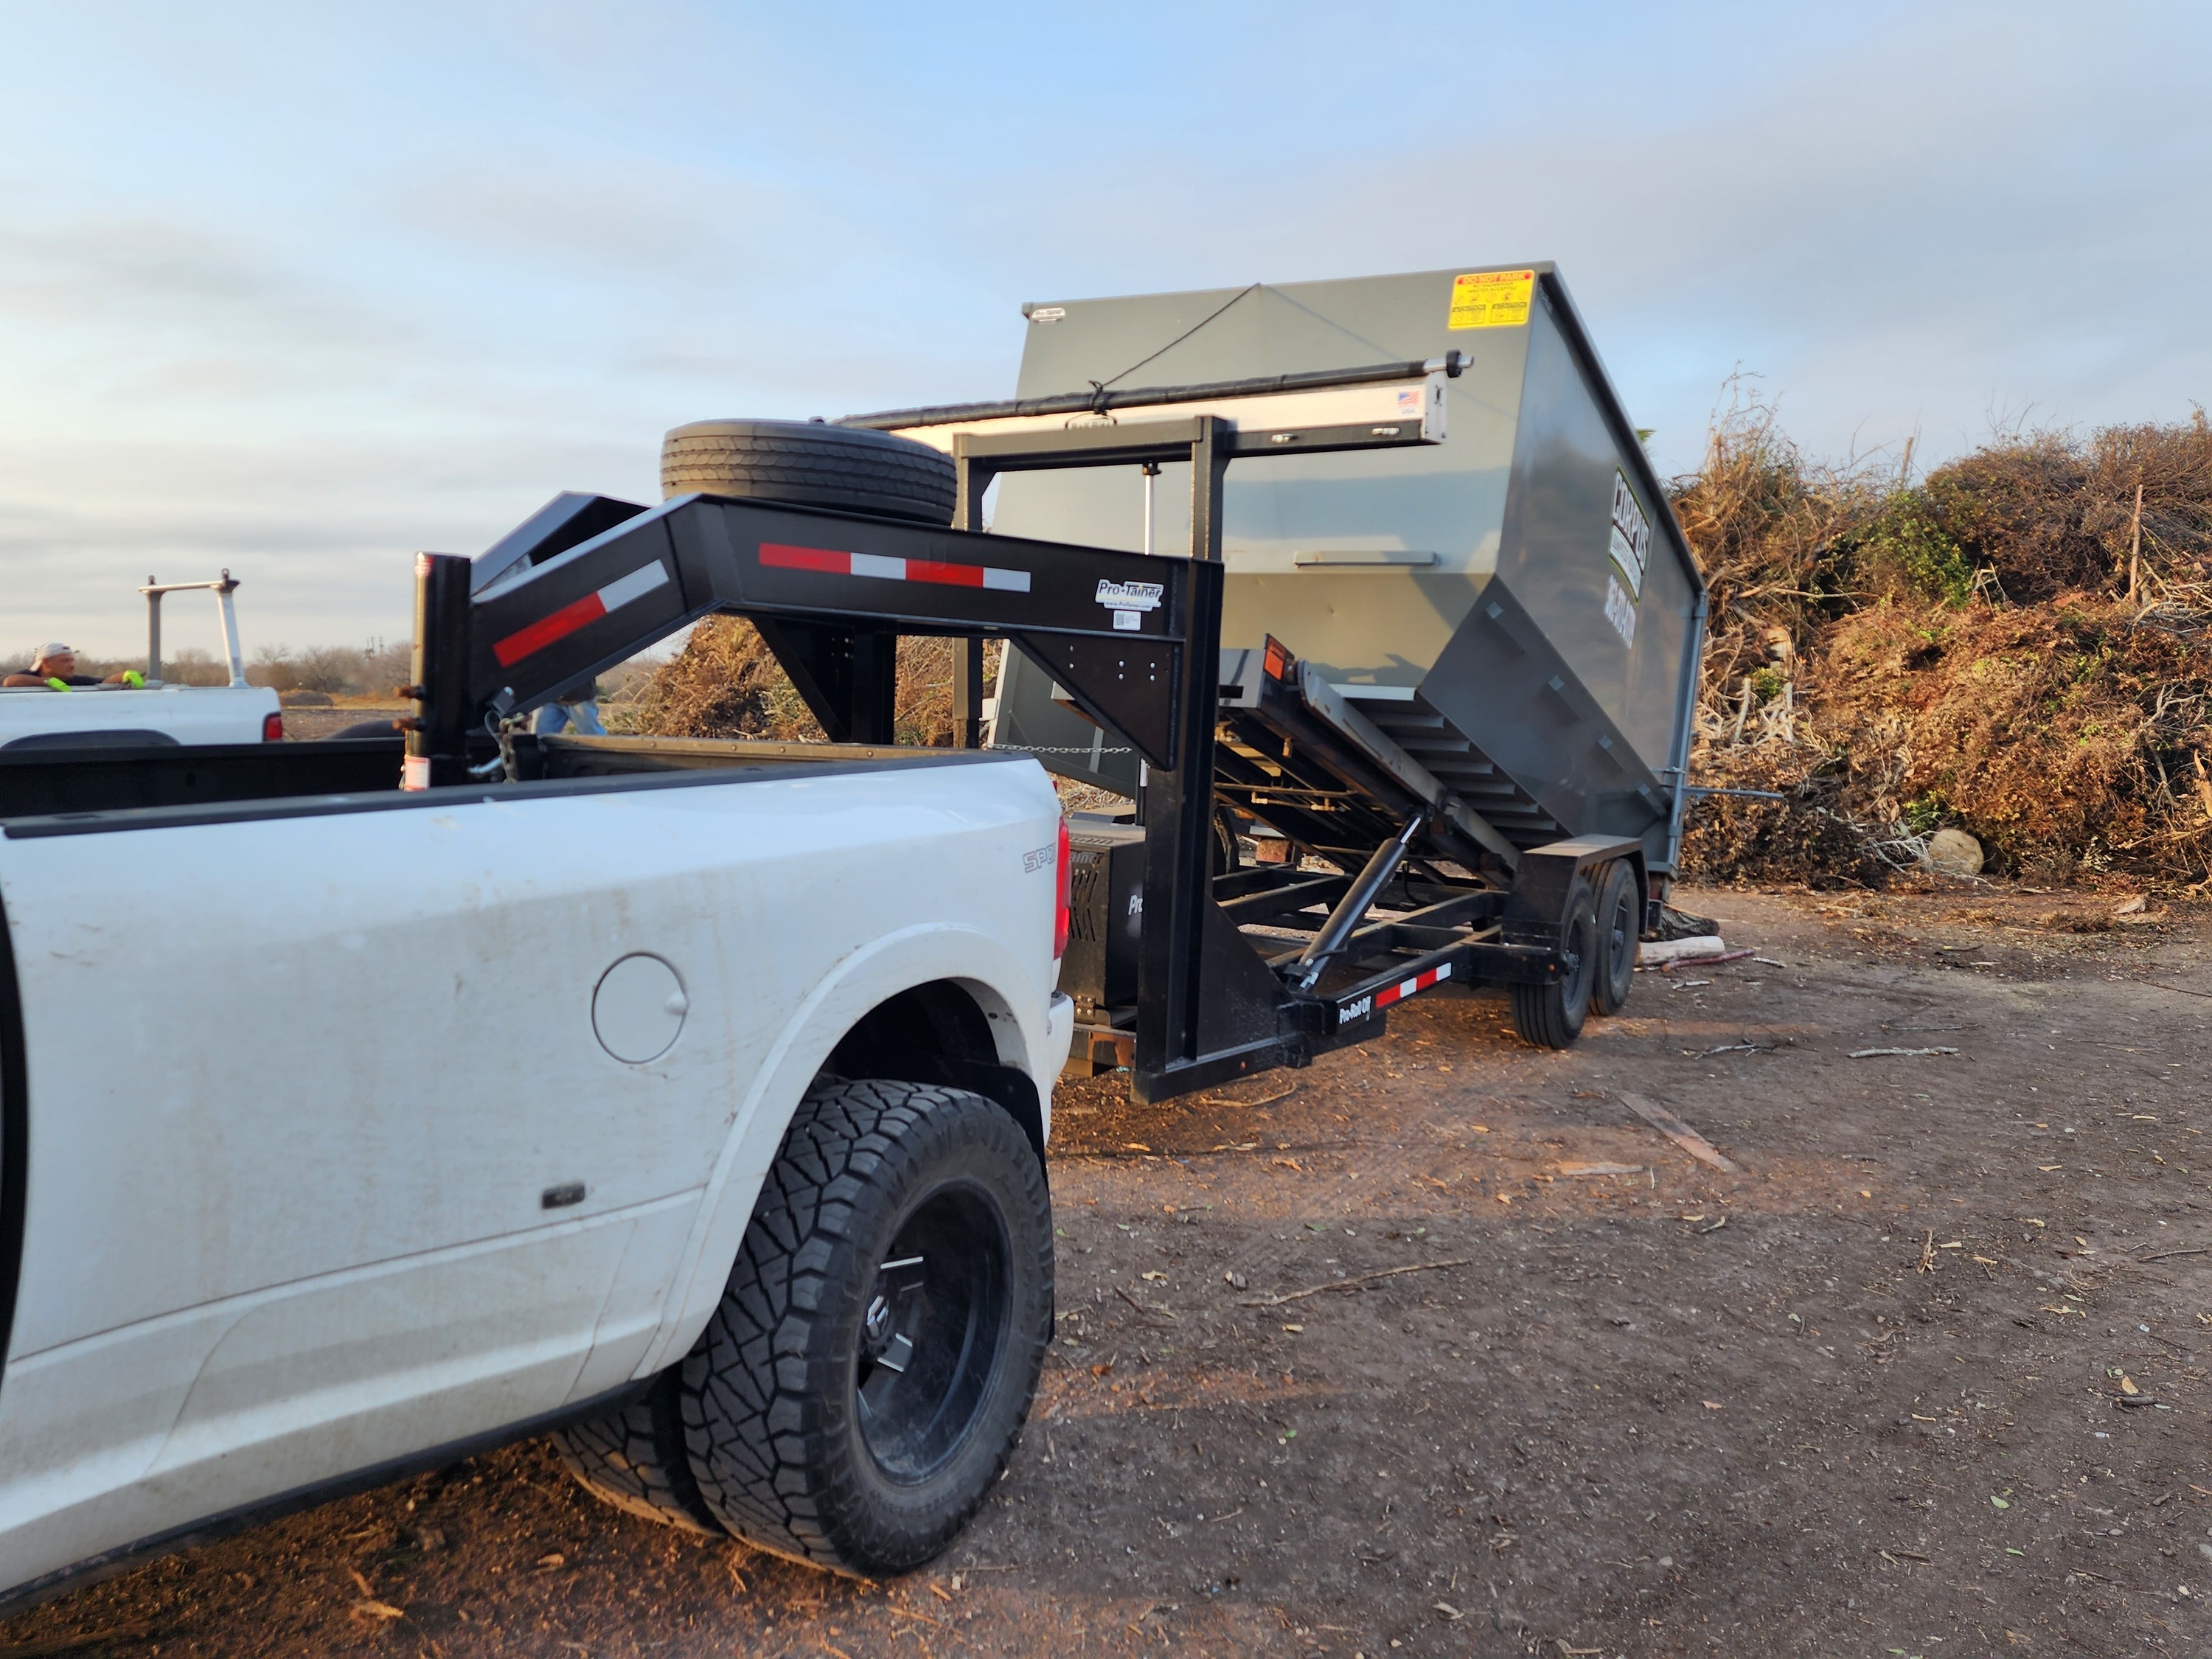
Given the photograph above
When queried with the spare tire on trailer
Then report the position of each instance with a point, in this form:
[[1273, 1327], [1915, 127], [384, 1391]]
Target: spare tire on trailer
[[809, 464]]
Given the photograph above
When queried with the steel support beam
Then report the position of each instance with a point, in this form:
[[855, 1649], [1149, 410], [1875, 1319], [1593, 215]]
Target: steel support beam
[[438, 730]]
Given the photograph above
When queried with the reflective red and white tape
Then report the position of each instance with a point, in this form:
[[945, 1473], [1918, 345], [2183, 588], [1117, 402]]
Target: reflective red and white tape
[[1406, 988], [779, 555], [528, 641]]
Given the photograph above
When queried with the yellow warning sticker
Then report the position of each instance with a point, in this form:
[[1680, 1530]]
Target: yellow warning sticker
[[1491, 299]]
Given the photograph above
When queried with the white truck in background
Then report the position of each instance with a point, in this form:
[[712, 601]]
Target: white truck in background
[[151, 714], [345, 1130]]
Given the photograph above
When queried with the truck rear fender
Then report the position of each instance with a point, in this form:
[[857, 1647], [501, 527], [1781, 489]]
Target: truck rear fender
[[957, 1032], [945, 989]]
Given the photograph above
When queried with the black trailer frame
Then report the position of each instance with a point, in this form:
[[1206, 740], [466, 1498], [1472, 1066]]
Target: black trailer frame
[[1134, 639]]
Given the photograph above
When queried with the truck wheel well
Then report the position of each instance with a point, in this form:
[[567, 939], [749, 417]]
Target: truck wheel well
[[936, 1033]]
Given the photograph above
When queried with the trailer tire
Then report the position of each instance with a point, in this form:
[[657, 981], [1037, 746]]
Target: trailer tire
[[809, 464], [1620, 919], [1550, 1015], [635, 1459], [899, 1220]]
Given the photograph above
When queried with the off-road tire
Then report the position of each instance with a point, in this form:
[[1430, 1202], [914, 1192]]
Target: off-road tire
[[1550, 1015], [787, 1452], [634, 1460], [1619, 921], [808, 464]]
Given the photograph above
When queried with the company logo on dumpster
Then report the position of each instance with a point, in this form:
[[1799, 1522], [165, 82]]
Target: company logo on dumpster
[[1630, 548], [1619, 608], [1631, 544]]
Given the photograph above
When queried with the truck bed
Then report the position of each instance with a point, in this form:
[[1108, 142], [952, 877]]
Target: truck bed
[[60, 788]]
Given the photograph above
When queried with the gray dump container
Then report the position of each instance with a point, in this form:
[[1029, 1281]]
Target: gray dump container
[[1515, 605]]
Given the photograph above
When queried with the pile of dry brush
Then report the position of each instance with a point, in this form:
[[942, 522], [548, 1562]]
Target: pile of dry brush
[[726, 684], [2020, 645]]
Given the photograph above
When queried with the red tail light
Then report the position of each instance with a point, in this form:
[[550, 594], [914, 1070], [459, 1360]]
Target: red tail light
[[272, 727], [1060, 916]]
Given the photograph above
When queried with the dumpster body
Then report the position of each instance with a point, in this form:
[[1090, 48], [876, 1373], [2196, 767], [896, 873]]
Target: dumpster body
[[1515, 604]]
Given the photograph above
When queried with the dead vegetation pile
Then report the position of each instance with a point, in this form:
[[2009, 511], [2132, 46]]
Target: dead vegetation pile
[[2016, 646], [726, 684]]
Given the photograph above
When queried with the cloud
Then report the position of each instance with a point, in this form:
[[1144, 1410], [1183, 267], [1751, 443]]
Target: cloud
[[307, 291], [1892, 232], [149, 285]]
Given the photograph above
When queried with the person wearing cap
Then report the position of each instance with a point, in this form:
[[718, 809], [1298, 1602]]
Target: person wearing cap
[[55, 667]]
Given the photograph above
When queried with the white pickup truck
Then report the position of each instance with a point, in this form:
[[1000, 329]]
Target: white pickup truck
[[149, 714], [695, 1110]]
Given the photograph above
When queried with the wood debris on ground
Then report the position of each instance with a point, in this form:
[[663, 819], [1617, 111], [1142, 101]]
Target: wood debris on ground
[[1680, 1134]]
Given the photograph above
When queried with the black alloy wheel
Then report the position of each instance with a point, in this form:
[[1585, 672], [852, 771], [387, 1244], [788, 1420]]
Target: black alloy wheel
[[931, 1335], [858, 1391]]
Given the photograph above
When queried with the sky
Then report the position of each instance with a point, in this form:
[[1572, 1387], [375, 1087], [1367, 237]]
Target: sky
[[300, 290]]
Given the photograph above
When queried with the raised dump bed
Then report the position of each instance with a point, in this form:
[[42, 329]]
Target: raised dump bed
[[1511, 602]]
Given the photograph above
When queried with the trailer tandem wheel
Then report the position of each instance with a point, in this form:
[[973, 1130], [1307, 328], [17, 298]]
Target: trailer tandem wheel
[[1550, 1015], [1620, 918]]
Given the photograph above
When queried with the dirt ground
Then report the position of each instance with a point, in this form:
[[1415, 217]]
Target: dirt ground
[[1926, 1377], [304, 725]]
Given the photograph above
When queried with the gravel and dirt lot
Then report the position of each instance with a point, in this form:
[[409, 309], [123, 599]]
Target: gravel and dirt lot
[[308, 724], [1926, 1376]]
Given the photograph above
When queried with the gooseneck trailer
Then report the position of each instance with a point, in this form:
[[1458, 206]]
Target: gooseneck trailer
[[1443, 650]]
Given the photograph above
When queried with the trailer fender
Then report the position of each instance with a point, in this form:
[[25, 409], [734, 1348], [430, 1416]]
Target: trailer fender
[[1537, 905]]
